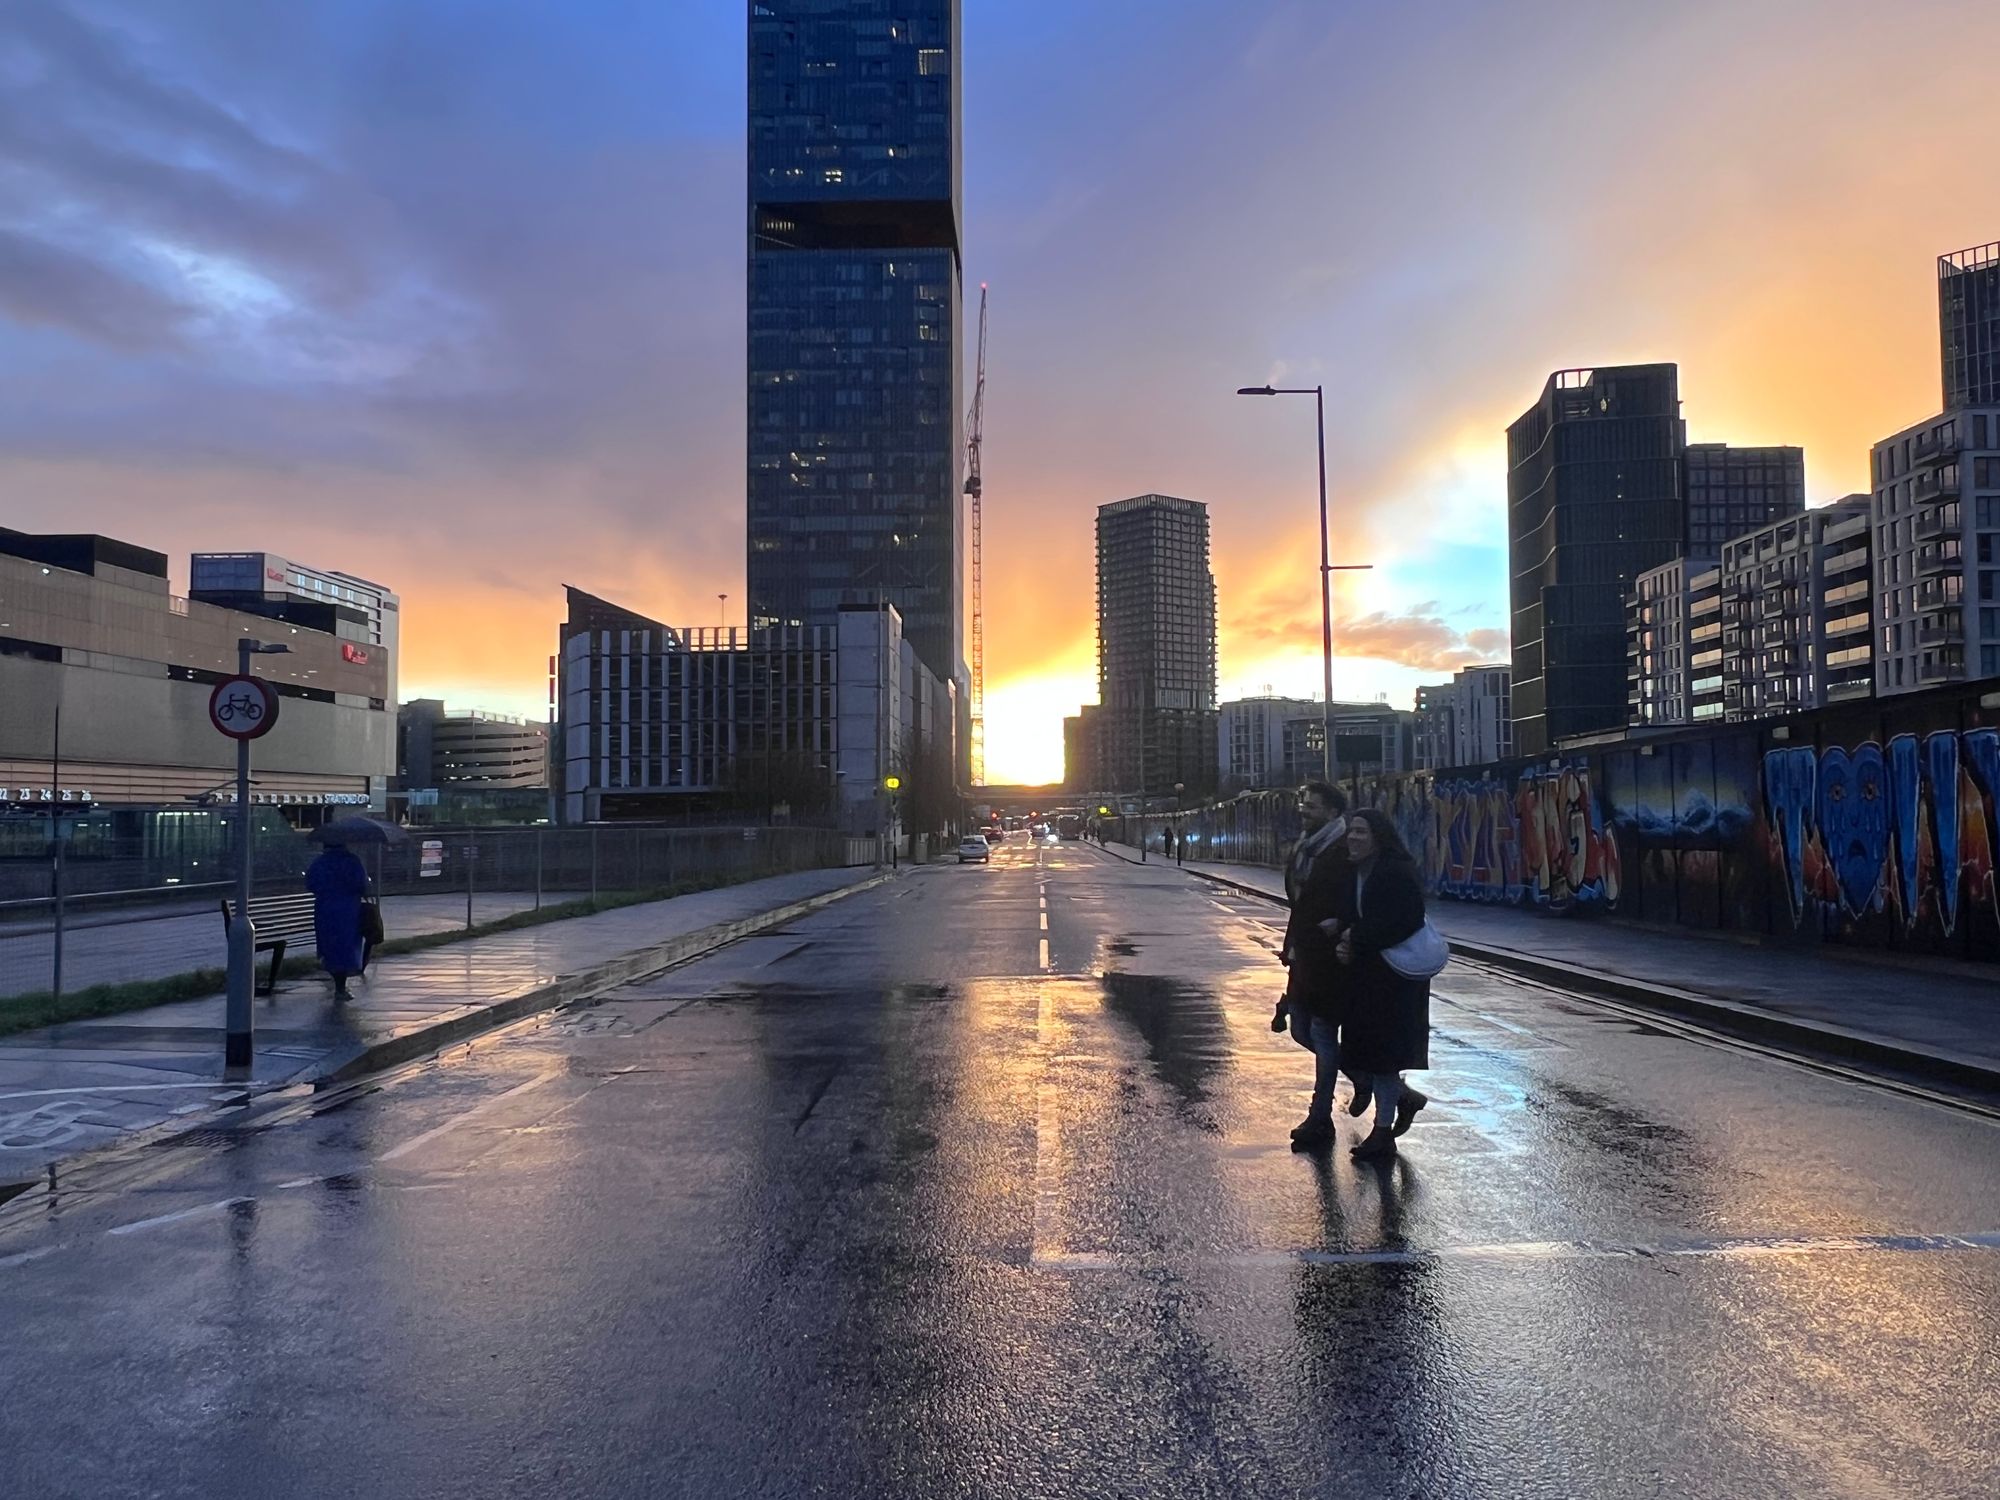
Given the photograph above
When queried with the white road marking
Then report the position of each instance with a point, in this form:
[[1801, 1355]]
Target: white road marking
[[25, 1256], [1042, 953], [111, 1088], [452, 1124], [176, 1217], [1045, 921]]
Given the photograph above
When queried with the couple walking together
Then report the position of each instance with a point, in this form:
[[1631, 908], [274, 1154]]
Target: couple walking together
[[1357, 914]]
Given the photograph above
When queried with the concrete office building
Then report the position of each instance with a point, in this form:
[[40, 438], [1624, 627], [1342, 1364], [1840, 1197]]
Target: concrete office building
[[854, 489], [90, 631], [1369, 739], [1468, 721], [1155, 646], [1936, 543], [657, 721], [468, 750], [1733, 490], [263, 583], [1796, 617], [1969, 326]]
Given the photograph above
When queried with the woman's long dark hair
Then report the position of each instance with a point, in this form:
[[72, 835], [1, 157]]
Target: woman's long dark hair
[[1388, 838]]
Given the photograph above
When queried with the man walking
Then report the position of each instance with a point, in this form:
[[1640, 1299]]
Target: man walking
[[1314, 882]]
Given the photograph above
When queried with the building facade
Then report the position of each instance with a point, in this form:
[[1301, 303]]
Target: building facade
[[1594, 500], [1155, 645], [1468, 721], [1969, 326], [468, 750], [263, 583], [1936, 544], [1369, 739], [1250, 741], [1795, 613], [105, 677], [1656, 643], [854, 292], [1733, 490], [658, 722]]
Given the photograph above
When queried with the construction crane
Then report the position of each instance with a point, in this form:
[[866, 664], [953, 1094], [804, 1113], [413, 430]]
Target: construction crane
[[975, 423]]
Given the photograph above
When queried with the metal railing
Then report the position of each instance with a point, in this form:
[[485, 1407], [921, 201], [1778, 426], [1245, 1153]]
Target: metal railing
[[116, 931]]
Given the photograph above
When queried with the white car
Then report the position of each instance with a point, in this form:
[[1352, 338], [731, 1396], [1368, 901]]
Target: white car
[[972, 846]]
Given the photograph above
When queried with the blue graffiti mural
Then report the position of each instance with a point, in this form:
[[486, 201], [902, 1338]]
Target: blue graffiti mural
[[1791, 787]]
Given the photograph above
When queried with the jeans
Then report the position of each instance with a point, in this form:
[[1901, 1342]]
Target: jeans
[[1320, 1037]]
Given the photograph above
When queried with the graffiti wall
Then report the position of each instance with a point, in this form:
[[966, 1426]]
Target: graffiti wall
[[1875, 824]]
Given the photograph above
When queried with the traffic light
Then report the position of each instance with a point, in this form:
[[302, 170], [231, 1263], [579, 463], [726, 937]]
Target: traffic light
[[1104, 812], [892, 783]]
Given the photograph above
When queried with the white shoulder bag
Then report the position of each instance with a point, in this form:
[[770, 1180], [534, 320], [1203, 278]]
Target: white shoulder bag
[[1421, 955]]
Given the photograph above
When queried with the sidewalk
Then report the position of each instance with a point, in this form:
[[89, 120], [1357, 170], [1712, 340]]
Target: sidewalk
[[1938, 1017], [68, 1088]]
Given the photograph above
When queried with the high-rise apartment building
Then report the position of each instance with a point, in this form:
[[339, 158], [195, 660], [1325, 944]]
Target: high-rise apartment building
[[1936, 520], [1468, 721], [1594, 500], [854, 455], [1795, 613], [1657, 647], [1733, 490], [1969, 326], [1155, 645]]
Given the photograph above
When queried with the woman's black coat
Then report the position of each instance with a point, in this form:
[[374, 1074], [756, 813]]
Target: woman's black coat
[[1387, 1022]]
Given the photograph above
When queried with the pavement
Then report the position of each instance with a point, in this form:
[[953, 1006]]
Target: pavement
[[976, 1184], [119, 945], [1924, 1017], [84, 1084]]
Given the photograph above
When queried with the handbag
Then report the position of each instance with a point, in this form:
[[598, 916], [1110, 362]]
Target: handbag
[[371, 923], [1421, 955]]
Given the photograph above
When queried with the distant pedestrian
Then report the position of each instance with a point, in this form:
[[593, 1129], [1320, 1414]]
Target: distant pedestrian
[[1315, 989], [1386, 1027], [339, 885], [1167, 842]]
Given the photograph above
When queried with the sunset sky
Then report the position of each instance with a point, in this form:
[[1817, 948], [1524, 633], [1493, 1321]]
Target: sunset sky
[[450, 294]]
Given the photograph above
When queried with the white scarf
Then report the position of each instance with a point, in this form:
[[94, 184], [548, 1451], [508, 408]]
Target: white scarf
[[1314, 844]]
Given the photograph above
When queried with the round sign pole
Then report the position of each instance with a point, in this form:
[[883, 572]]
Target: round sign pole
[[243, 708]]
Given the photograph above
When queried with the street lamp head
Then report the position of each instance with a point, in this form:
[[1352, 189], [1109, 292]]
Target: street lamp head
[[1256, 390]]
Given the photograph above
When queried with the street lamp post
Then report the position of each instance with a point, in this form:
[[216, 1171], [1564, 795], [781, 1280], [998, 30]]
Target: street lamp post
[[1326, 568], [1180, 832]]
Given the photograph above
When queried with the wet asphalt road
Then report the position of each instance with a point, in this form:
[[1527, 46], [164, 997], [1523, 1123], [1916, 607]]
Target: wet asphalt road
[[900, 1202]]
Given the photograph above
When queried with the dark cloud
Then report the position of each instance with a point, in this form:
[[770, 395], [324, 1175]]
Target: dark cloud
[[51, 286]]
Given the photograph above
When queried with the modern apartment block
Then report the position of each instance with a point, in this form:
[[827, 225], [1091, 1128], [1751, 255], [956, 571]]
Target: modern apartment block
[[1657, 645], [1969, 326], [1796, 616], [1155, 646], [1936, 521], [1732, 490], [1465, 722], [1250, 740], [854, 276], [661, 721], [1594, 500]]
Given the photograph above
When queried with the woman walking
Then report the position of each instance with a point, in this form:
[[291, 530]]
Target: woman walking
[[1387, 1023], [338, 882]]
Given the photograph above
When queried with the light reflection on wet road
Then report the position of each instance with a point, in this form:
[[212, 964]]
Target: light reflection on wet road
[[897, 1202]]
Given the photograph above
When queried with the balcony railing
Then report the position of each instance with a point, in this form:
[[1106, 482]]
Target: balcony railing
[[1934, 485], [1944, 557], [1948, 632], [1931, 449]]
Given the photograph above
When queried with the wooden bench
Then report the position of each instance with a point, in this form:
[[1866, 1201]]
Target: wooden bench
[[278, 919]]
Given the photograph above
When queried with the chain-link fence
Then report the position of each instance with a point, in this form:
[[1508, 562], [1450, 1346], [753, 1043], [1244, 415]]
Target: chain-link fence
[[125, 914]]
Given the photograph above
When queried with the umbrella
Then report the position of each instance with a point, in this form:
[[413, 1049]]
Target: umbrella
[[356, 829]]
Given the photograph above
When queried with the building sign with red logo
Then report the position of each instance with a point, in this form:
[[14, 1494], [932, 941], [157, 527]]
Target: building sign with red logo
[[354, 654]]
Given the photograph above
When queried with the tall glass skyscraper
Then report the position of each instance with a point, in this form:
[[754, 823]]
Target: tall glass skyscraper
[[854, 452]]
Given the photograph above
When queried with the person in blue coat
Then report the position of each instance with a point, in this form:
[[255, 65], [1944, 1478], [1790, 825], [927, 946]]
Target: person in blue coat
[[338, 881]]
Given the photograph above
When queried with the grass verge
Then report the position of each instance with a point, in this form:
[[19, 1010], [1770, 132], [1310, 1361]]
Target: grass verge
[[42, 1008]]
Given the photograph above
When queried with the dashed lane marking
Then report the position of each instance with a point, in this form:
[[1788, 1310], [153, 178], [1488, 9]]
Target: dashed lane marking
[[457, 1120]]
